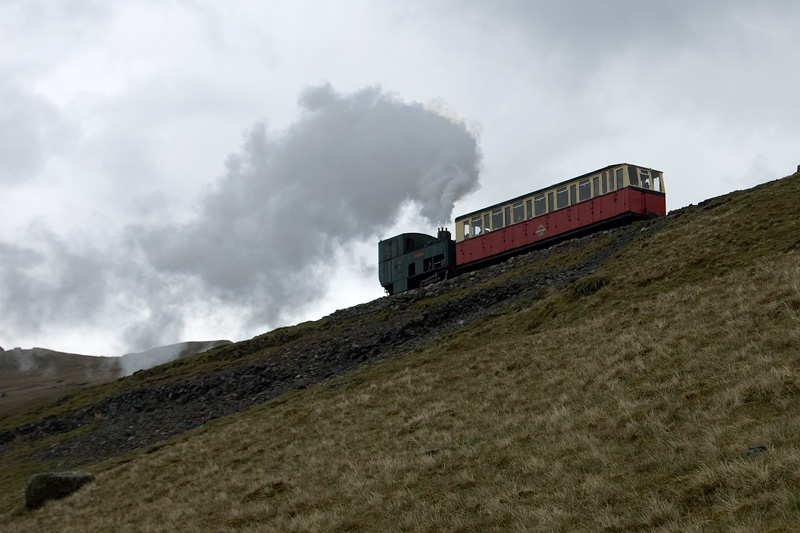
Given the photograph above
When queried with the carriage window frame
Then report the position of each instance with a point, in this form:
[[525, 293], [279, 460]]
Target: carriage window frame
[[477, 225], [466, 229], [644, 178], [633, 176], [539, 205], [518, 212], [620, 179], [584, 190], [562, 200], [529, 208], [497, 219], [486, 223], [657, 181]]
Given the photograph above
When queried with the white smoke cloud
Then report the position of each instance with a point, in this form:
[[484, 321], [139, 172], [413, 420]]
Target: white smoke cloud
[[265, 236], [336, 176]]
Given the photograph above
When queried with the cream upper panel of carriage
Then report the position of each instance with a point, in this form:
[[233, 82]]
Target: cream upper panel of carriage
[[557, 197]]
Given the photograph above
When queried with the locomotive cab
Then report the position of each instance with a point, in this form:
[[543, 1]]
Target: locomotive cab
[[411, 260]]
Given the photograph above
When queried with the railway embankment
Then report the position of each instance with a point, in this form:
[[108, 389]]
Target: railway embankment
[[640, 379], [152, 412]]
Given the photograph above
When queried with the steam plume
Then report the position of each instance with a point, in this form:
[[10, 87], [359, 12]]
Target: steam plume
[[264, 234], [337, 176]]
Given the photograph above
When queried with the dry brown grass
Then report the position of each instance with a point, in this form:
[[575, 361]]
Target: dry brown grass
[[635, 419], [40, 375], [628, 407]]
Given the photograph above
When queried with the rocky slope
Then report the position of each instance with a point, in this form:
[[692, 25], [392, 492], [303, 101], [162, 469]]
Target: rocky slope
[[34, 375], [345, 340], [31, 376]]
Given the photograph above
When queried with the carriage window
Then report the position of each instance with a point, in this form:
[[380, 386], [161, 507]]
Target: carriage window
[[596, 186], [529, 209], [633, 177], [561, 198], [620, 180], [573, 195], [476, 226], [539, 205], [584, 190], [507, 213], [519, 212], [550, 204], [605, 183], [657, 182], [486, 223], [466, 229], [497, 219], [645, 176]]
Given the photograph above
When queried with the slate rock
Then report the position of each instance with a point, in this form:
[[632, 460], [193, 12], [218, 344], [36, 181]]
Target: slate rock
[[155, 411], [52, 486], [754, 451]]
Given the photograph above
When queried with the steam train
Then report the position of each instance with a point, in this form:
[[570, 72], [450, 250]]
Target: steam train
[[604, 198]]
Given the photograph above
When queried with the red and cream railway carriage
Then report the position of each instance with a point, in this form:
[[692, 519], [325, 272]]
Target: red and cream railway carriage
[[607, 197]]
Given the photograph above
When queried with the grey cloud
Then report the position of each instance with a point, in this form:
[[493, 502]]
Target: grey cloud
[[597, 27], [49, 282], [338, 175], [647, 41], [30, 131], [33, 12], [162, 326], [265, 236], [54, 283], [721, 62]]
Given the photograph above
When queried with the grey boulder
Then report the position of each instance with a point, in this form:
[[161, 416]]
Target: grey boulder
[[52, 486]]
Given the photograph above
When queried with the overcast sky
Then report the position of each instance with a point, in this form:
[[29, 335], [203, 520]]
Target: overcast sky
[[192, 170]]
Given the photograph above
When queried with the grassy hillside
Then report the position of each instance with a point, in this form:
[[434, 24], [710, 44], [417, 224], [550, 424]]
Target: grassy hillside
[[659, 392], [29, 379], [32, 376]]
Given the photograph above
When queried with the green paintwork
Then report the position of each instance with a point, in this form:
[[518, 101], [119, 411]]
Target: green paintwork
[[409, 259]]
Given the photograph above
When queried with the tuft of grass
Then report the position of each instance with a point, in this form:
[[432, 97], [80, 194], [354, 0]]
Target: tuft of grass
[[627, 401], [588, 285], [180, 370]]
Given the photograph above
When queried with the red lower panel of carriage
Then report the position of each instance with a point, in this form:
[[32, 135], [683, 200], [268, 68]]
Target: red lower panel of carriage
[[598, 213]]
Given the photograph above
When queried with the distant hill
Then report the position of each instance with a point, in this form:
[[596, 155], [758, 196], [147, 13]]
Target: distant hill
[[644, 378], [132, 362], [30, 376], [33, 375]]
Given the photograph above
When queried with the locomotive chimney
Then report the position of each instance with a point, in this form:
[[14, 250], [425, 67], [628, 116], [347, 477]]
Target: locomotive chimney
[[443, 235]]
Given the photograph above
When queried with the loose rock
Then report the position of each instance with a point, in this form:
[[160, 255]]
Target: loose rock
[[754, 451], [52, 486], [344, 340]]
